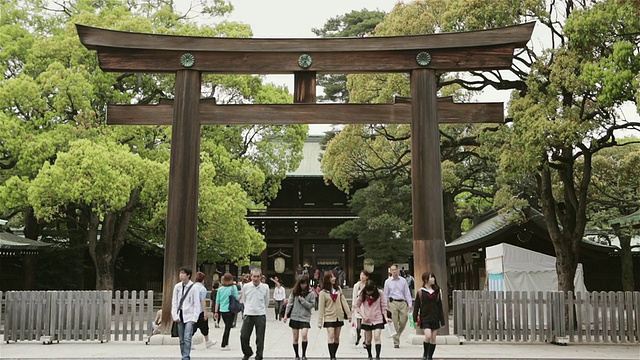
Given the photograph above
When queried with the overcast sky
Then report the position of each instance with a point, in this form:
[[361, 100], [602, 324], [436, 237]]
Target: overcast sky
[[296, 18]]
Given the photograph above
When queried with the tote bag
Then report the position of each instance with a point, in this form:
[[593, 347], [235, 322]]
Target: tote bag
[[235, 306]]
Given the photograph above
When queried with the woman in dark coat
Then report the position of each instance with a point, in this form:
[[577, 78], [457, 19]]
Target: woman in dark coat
[[428, 312]]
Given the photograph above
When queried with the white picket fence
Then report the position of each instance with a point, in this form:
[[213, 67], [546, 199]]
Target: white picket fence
[[76, 315], [547, 316]]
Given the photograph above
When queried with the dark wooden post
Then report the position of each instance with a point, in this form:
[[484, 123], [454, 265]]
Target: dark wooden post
[[304, 87], [426, 180], [184, 181]]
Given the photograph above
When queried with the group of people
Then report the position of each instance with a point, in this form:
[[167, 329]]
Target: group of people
[[371, 308]]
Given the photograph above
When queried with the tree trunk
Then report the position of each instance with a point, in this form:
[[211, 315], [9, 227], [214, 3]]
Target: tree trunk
[[626, 260], [452, 229], [566, 265], [104, 251], [77, 224], [31, 226]]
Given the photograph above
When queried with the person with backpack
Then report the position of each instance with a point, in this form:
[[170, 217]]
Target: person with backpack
[[227, 289], [411, 281]]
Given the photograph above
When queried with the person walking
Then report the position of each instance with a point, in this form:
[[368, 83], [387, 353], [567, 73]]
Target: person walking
[[357, 288], [227, 289], [372, 307], [185, 309], [255, 295], [279, 294], [203, 318], [429, 313], [214, 295], [301, 301], [397, 291], [333, 310]]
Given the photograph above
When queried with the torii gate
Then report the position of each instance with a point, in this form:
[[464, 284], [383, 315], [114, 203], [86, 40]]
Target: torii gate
[[188, 57]]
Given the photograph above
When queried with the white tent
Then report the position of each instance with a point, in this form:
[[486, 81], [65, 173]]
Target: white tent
[[512, 268]]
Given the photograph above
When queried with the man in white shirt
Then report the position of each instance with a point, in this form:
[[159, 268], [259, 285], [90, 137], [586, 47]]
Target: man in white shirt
[[400, 302], [255, 295], [185, 309]]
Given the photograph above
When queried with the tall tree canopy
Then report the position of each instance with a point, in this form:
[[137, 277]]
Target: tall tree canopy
[[564, 100], [110, 185]]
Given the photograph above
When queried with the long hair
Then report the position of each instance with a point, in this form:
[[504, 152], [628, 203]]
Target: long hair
[[298, 290], [370, 286], [425, 280], [326, 281]]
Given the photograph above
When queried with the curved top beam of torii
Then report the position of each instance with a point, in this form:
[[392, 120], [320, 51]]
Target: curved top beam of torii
[[472, 50]]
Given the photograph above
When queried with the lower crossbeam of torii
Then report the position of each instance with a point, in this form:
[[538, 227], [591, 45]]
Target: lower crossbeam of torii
[[422, 56]]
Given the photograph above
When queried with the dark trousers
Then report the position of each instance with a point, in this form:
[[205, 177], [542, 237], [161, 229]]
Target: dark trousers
[[278, 308], [227, 318], [248, 323]]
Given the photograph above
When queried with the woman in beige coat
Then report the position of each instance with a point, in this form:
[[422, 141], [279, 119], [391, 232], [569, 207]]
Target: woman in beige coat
[[333, 310]]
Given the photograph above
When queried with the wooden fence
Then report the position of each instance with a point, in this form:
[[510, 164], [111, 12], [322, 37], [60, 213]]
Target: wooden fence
[[547, 316], [76, 315]]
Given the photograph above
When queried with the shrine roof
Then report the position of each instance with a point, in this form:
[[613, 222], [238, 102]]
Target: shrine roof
[[310, 164], [9, 241]]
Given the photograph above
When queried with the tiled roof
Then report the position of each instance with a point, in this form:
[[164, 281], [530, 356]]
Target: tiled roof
[[9, 241], [629, 220], [486, 228], [310, 164]]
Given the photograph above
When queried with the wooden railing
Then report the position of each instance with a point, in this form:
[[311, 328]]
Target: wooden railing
[[547, 316], [77, 315]]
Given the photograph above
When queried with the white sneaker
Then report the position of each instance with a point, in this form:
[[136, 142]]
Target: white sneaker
[[209, 344], [226, 348]]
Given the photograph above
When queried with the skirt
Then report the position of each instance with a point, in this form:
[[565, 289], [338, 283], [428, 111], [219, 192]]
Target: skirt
[[294, 324], [433, 325], [333, 324], [369, 327]]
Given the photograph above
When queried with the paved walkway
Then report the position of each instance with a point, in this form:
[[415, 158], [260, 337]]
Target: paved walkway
[[278, 346]]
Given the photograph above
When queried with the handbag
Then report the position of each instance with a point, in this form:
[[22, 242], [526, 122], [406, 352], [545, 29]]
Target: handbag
[[174, 329], [235, 306]]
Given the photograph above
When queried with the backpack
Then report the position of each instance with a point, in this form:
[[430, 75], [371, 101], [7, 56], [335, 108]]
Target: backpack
[[235, 306]]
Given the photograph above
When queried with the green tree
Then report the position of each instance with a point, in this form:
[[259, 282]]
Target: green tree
[[53, 92], [566, 115], [354, 24], [615, 192], [371, 153]]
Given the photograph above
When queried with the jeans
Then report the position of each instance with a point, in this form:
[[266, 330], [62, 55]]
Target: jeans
[[185, 332], [260, 323], [227, 318]]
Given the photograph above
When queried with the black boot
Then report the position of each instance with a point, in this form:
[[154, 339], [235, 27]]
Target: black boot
[[426, 350], [378, 349], [368, 347], [333, 349], [295, 350], [358, 338], [432, 349]]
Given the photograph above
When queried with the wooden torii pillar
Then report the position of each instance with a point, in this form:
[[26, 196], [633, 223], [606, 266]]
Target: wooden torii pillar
[[422, 56]]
